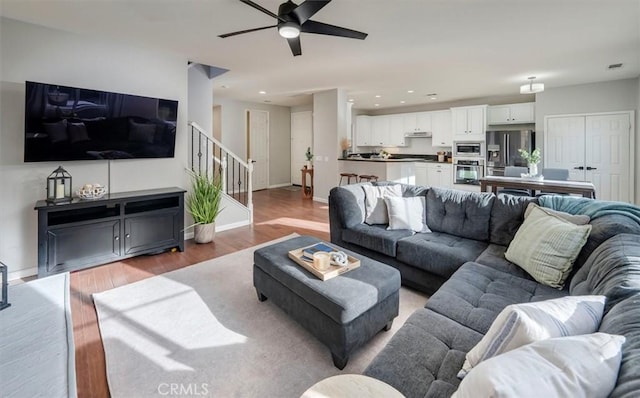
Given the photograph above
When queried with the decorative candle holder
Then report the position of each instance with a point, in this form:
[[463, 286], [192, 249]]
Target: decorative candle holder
[[59, 186]]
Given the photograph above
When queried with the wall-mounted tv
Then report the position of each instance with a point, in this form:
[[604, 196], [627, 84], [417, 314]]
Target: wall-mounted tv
[[70, 123]]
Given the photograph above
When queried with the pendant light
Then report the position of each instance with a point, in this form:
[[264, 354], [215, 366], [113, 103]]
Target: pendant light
[[531, 88]]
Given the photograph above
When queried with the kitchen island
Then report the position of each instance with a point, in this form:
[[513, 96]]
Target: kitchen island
[[413, 169]]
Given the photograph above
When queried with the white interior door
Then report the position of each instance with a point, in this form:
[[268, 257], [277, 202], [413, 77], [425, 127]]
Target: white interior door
[[301, 139], [258, 147], [607, 155], [564, 145]]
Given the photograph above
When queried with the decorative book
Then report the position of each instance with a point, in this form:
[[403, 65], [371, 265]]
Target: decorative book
[[304, 257]]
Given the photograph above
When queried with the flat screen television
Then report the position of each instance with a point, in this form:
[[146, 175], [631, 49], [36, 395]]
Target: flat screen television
[[71, 123]]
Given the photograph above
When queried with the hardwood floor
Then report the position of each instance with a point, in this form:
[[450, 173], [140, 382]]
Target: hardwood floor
[[277, 212]]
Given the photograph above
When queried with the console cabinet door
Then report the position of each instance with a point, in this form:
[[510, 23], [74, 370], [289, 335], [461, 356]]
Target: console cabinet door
[[148, 231], [74, 247]]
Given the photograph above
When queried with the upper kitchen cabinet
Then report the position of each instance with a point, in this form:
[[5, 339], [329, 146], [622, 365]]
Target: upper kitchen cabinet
[[363, 131], [380, 130], [469, 122], [511, 114], [417, 122], [442, 133], [384, 131], [395, 137]]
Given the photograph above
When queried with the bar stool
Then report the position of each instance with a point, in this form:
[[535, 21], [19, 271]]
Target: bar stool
[[368, 178], [349, 177]]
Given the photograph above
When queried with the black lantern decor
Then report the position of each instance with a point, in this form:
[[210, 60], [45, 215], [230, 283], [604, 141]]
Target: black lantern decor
[[59, 186], [4, 301]]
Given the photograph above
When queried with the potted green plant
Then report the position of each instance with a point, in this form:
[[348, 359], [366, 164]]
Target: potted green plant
[[204, 205], [309, 156], [532, 160]]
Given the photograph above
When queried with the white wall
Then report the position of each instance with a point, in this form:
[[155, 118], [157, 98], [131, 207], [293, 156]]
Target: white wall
[[200, 97], [234, 135], [29, 52], [610, 96], [329, 126]]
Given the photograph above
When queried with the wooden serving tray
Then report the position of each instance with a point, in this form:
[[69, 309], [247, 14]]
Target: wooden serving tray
[[331, 272]]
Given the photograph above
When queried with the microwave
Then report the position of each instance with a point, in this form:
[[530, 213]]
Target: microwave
[[469, 149]]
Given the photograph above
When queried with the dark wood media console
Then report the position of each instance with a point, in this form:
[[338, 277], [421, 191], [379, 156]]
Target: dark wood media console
[[86, 233]]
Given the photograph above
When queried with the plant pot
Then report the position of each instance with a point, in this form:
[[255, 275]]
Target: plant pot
[[204, 233], [533, 169], [309, 164]]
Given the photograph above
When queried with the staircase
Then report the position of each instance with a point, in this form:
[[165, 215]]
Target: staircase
[[210, 157]]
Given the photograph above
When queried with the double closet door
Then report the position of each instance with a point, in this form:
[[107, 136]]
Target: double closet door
[[596, 148]]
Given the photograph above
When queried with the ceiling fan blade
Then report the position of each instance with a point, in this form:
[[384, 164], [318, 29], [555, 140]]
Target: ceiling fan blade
[[246, 31], [307, 9], [261, 8], [331, 30], [294, 43]]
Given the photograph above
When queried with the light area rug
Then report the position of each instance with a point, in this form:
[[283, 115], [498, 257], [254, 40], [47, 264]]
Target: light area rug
[[201, 331], [37, 354]]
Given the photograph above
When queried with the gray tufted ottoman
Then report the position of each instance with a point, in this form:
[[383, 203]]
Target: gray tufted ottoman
[[343, 312]]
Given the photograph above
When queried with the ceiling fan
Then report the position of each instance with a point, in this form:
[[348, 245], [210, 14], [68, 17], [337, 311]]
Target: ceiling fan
[[293, 19]]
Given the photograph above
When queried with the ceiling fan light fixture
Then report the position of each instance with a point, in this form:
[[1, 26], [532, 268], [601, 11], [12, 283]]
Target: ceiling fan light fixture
[[289, 30], [531, 87]]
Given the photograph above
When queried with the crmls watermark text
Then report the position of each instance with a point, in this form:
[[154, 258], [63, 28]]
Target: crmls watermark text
[[182, 390]]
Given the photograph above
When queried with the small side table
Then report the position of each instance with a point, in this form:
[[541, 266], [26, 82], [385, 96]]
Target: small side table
[[307, 190], [351, 385]]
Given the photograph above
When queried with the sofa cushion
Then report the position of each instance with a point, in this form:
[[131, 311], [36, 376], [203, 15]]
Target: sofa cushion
[[424, 356], [613, 270], [438, 253], [507, 214], [548, 368], [578, 219], [464, 214], [375, 237], [624, 319], [603, 228], [524, 323], [476, 293], [493, 256], [546, 246]]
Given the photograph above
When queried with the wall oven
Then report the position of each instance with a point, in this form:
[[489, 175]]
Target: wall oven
[[469, 149], [466, 171]]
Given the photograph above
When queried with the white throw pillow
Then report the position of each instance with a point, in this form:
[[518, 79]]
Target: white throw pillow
[[521, 324], [375, 208], [577, 366], [407, 213]]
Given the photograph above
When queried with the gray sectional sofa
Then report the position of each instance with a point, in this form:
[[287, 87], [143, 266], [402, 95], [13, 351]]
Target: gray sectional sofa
[[462, 265]]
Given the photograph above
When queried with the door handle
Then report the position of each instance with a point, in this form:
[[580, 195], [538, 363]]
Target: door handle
[[579, 168], [592, 168]]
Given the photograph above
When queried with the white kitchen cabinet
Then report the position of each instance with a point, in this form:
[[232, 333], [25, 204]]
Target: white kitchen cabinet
[[421, 173], [511, 114], [379, 130], [363, 131], [442, 133], [417, 122], [469, 122], [395, 135], [439, 175]]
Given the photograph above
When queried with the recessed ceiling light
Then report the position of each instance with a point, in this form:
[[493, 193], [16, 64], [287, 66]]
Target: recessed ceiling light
[[376, 105], [614, 66], [402, 102], [351, 100], [410, 91], [378, 96], [432, 96], [262, 92]]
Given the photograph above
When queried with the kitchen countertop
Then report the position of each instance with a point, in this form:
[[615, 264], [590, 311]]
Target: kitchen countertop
[[391, 160]]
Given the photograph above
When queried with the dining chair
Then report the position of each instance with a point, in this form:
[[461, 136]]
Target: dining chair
[[515, 171], [554, 174]]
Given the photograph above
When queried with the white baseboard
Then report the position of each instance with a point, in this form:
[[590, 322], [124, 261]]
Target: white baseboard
[[23, 273], [233, 225], [319, 199], [286, 184]]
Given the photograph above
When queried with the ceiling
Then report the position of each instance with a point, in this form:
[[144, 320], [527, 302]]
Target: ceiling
[[456, 48]]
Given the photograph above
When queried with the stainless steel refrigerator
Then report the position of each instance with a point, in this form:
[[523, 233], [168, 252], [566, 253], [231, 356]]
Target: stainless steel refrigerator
[[502, 149]]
